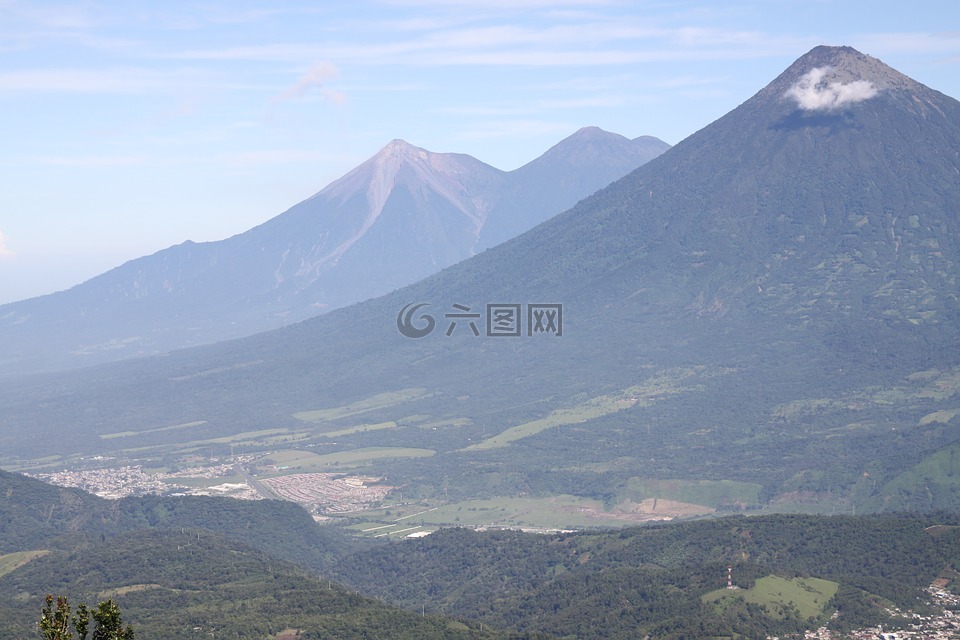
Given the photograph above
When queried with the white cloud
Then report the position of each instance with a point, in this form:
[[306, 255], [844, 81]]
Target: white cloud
[[271, 157], [92, 161], [5, 252], [580, 43], [812, 91], [108, 80], [50, 16]]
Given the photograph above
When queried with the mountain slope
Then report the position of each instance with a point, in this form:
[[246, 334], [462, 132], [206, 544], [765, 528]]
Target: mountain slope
[[566, 173], [180, 567], [35, 515], [188, 584], [772, 302], [398, 217], [652, 580]]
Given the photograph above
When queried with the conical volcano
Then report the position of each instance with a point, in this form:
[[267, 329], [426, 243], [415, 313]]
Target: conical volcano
[[765, 316], [834, 189]]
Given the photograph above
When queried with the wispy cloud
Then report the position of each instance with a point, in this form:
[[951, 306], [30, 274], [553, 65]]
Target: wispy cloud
[[115, 80], [68, 16], [271, 157], [506, 4], [315, 79], [92, 161], [601, 42], [5, 252], [945, 42]]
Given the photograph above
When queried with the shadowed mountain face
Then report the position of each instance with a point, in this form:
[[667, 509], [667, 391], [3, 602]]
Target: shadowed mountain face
[[397, 218], [772, 302]]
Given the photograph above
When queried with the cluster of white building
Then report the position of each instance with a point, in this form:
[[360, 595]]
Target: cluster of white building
[[121, 482], [944, 625], [112, 483], [327, 493]]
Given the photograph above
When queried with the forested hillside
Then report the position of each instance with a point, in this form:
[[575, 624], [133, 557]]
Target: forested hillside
[[653, 580], [35, 515], [190, 584]]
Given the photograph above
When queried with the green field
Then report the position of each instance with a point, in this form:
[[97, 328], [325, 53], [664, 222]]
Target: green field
[[13, 561], [133, 588], [808, 595], [252, 439], [709, 493], [360, 428], [555, 419], [306, 461], [124, 434], [664, 384], [552, 513], [944, 416], [378, 401]]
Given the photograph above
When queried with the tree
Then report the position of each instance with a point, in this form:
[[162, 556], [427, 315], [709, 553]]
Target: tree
[[55, 621], [109, 624]]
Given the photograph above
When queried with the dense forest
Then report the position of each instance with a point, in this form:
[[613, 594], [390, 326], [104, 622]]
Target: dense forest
[[175, 564], [197, 584], [652, 580], [35, 515]]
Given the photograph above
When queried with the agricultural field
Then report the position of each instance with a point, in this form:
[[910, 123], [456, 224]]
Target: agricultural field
[[124, 434], [12, 561], [808, 596], [553, 513], [708, 493], [375, 402], [299, 461], [660, 386]]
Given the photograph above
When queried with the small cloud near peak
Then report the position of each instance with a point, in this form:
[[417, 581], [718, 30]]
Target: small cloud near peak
[[813, 92]]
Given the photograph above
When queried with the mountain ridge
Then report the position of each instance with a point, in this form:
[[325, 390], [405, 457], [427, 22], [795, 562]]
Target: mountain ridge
[[401, 215], [772, 302]]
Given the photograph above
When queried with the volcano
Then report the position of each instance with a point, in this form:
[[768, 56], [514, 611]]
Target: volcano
[[764, 316], [397, 218]]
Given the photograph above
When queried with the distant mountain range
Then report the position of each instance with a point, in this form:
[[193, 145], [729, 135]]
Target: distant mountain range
[[400, 216], [766, 316]]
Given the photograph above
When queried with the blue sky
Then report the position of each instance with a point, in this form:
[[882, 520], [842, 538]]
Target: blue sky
[[127, 127]]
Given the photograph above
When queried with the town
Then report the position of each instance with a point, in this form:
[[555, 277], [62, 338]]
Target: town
[[944, 625], [320, 493]]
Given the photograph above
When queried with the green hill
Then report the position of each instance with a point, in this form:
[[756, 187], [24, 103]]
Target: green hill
[[36, 515], [171, 576], [184, 566], [173, 585], [793, 572]]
